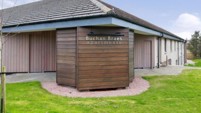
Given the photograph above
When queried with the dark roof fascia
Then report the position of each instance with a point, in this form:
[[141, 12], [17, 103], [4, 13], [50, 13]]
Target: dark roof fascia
[[96, 16]]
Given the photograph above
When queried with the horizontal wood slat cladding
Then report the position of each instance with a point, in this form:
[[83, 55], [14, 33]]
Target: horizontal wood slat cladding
[[93, 51], [104, 59], [100, 55], [105, 47], [66, 57], [86, 68], [103, 85], [109, 75], [111, 79], [124, 42], [102, 65]]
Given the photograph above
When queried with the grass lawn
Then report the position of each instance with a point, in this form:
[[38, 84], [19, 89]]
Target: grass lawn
[[168, 94], [197, 63]]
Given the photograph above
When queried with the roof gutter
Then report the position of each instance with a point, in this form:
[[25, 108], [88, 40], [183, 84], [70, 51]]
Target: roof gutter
[[172, 37], [119, 22], [159, 32], [86, 21], [126, 24]]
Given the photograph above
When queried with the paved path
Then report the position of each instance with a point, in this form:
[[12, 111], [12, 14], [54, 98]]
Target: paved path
[[51, 77], [170, 70], [25, 77], [190, 62]]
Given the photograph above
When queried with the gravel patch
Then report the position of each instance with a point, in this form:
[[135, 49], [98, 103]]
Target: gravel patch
[[138, 86]]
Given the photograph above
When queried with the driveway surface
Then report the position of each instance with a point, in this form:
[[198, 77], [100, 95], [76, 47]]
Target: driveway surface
[[51, 77], [169, 70], [26, 77]]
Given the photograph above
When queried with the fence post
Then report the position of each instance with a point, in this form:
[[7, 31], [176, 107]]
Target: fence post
[[3, 90]]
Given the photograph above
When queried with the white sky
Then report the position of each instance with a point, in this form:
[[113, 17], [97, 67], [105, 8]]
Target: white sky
[[185, 25]]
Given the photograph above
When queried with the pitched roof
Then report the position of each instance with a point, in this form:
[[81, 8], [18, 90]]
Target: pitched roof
[[49, 10], [131, 18], [54, 10]]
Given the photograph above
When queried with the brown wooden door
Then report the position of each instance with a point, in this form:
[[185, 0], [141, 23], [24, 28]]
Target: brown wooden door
[[147, 54], [36, 53], [42, 52], [16, 52]]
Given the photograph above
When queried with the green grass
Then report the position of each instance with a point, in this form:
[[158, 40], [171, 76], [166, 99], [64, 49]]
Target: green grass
[[197, 63], [168, 94]]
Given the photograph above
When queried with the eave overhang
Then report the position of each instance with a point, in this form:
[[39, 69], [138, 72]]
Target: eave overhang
[[97, 21]]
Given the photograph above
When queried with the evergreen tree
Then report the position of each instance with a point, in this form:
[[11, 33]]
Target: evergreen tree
[[195, 44]]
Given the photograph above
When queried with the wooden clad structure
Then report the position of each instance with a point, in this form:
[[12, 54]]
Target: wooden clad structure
[[66, 57], [131, 56], [85, 57], [102, 65], [95, 62]]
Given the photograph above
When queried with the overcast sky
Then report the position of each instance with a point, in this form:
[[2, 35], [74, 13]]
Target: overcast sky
[[181, 17]]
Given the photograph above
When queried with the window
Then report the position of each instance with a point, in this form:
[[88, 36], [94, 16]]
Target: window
[[165, 45]]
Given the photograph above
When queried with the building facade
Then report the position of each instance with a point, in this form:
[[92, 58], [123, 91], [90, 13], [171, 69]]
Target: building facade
[[88, 43]]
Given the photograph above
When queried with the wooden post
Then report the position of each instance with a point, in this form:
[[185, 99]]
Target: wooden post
[[3, 90], [2, 68]]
